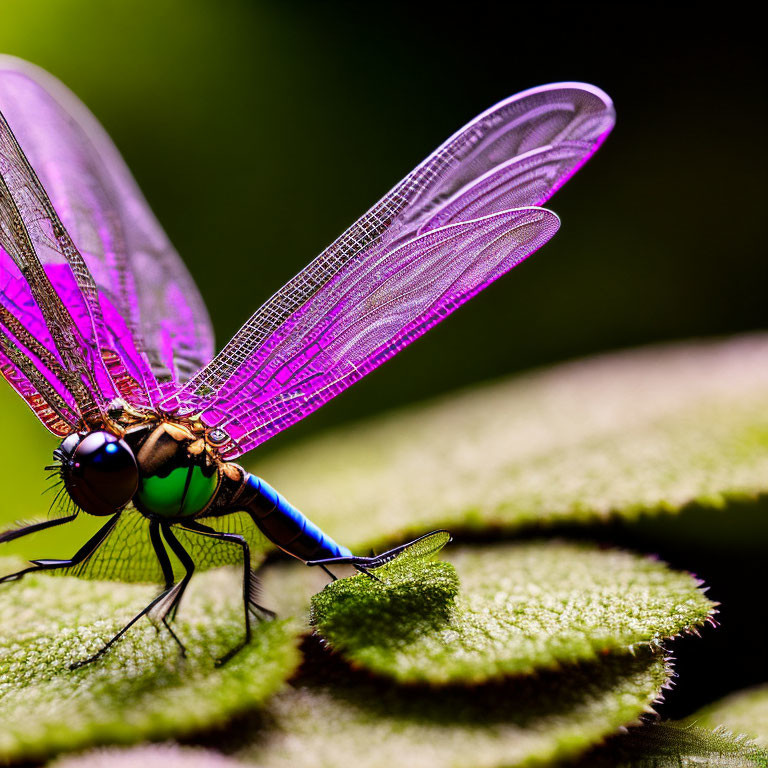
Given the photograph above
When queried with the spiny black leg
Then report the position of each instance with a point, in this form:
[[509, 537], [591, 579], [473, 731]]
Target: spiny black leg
[[328, 571], [162, 555], [109, 644], [17, 533], [232, 538], [248, 597], [165, 565], [364, 570], [189, 569], [167, 568], [166, 621], [80, 556]]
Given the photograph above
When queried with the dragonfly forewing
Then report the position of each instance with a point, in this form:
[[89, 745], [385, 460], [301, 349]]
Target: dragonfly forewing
[[368, 313], [516, 154]]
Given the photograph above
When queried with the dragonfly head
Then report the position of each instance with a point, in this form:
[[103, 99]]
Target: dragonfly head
[[99, 471], [164, 468]]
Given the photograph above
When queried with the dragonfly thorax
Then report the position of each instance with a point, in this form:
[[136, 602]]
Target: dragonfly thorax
[[177, 476], [165, 469]]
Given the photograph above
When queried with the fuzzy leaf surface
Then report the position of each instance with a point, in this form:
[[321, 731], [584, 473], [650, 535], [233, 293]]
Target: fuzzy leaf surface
[[520, 608], [652, 430], [141, 689], [742, 712], [674, 744], [150, 756], [331, 717]]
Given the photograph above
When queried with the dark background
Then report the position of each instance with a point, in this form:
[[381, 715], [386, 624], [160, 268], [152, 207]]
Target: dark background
[[259, 131]]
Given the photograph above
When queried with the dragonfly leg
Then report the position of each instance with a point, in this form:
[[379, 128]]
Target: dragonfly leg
[[172, 593], [108, 645], [364, 564], [167, 568], [249, 581], [363, 569], [17, 533], [360, 564], [162, 555], [329, 572], [169, 613], [80, 556]]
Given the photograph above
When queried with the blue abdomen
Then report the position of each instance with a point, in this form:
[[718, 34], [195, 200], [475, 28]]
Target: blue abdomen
[[286, 526]]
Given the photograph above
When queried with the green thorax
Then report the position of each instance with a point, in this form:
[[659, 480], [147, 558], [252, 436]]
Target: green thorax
[[183, 492]]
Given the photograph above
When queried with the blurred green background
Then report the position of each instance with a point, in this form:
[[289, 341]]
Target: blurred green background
[[260, 131]]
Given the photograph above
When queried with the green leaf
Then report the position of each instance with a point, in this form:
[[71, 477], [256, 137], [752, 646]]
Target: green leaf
[[150, 756], [653, 430], [521, 608], [742, 712], [142, 688], [331, 718], [672, 745]]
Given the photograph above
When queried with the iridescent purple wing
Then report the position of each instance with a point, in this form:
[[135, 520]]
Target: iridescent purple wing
[[366, 315], [46, 395], [56, 351], [154, 324], [441, 235]]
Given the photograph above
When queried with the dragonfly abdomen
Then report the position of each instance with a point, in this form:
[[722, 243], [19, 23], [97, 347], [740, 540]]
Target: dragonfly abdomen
[[284, 525]]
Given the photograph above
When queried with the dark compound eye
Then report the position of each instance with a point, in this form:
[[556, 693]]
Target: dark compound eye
[[100, 472]]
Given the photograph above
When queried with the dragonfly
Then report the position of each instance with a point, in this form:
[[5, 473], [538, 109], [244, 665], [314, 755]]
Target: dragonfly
[[105, 336]]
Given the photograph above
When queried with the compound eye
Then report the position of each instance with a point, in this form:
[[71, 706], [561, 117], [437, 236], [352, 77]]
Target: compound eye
[[101, 475]]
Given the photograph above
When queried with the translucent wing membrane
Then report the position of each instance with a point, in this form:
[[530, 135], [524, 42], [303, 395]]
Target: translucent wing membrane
[[31, 239], [408, 262], [127, 553], [423, 548], [94, 302], [104, 271], [48, 402], [530, 177], [211, 553], [366, 315]]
